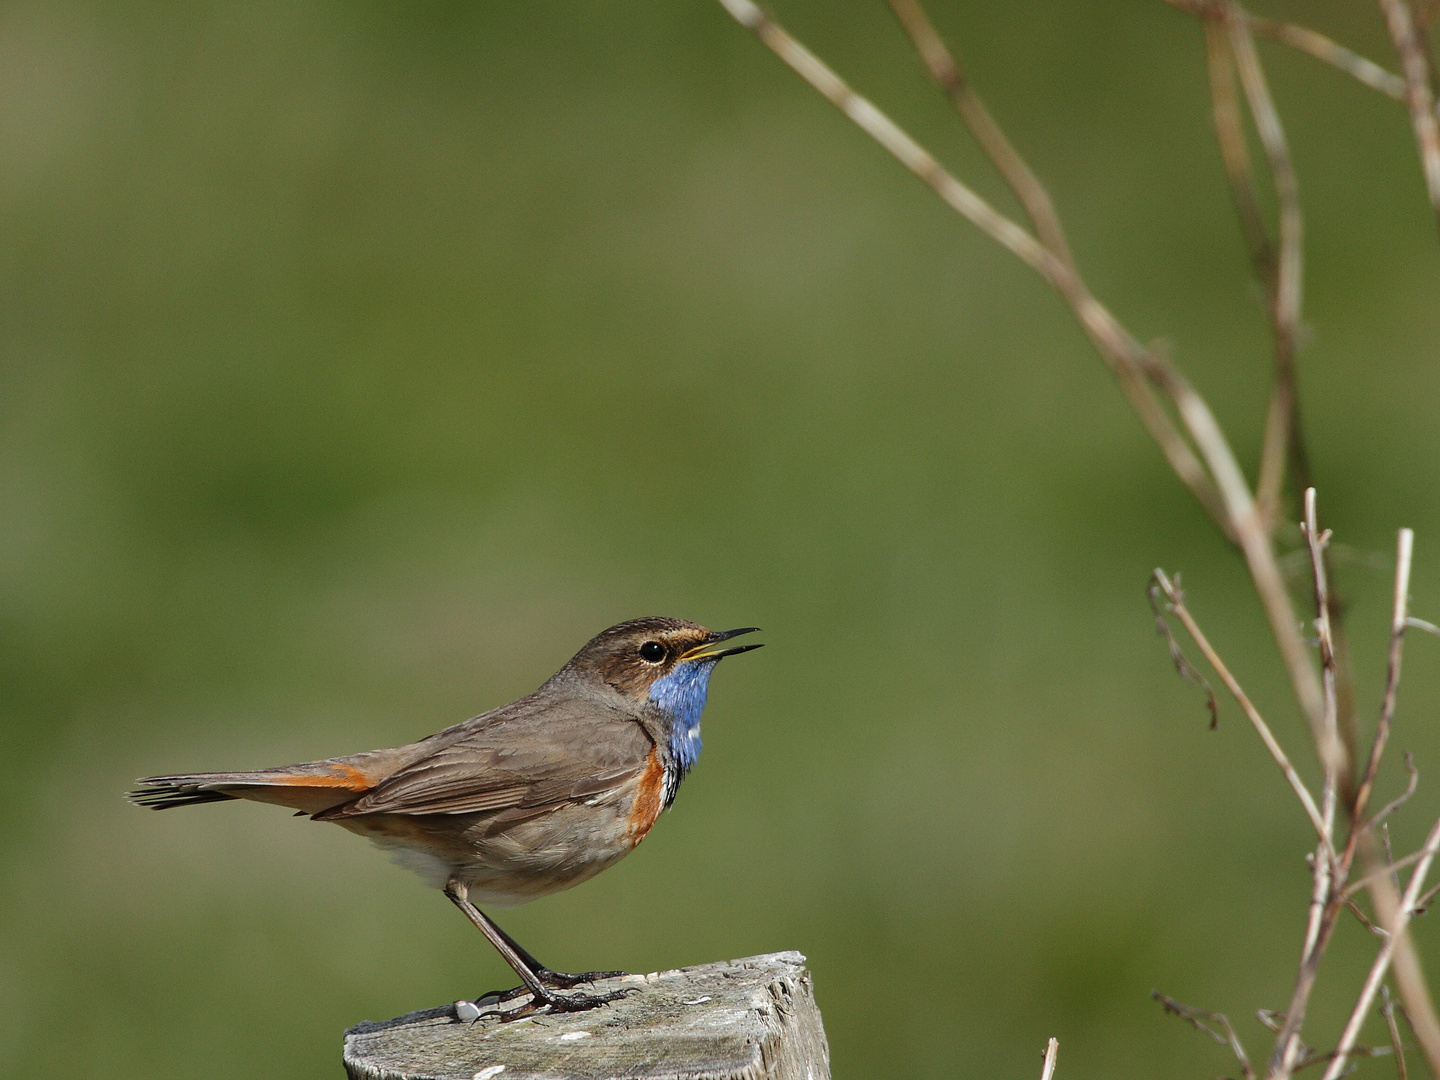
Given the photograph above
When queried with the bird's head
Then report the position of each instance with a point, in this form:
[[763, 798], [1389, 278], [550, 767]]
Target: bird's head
[[665, 664]]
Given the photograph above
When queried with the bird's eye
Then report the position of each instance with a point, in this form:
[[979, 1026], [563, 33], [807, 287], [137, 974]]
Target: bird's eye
[[652, 652]]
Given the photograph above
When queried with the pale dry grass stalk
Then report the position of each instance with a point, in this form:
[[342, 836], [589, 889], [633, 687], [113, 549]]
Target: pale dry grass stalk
[[1175, 602], [1317, 45], [1415, 65], [1285, 286], [1052, 1051]]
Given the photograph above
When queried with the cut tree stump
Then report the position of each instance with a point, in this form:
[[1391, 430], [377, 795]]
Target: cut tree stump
[[752, 1019]]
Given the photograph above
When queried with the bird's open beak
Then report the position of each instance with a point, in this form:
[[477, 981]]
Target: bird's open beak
[[707, 650]]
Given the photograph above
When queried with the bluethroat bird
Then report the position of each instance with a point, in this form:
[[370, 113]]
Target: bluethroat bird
[[521, 801]]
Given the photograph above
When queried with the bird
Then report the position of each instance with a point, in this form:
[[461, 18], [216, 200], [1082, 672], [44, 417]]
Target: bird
[[524, 800]]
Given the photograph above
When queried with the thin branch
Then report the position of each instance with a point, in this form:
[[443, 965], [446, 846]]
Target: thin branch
[[946, 71], [1363, 919], [1196, 1018], [1317, 45], [1415, 65], [1176, 600], [1318, 1057], [1320, 924], [1382, 961], [1387, 1010], [1399, 621], [1382, 872], [1420, 624], [1324, 909], [1126, 358], [1423, 904], [1401, 799], [1282, 431], [1052, 1051], [1183, 667], [1224, 493], [1336, 55], [1316, 541], [1234, 151]]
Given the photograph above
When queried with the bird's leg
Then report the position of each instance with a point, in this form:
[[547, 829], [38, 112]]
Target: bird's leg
[[556, 980], [541, 996]]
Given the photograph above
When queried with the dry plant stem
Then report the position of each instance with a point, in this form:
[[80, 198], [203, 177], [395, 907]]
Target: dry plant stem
[[1323, 48], [1052, 1050], [1397, 1047], [946, 71], [1399, 621], [1395, 928], [1196, 1018], [1317, 45], [1316, 542], [1225, 494], [1386, 871], [1329, 873], [1400, 800], [1122, 353], [1384, 893], [1415, 65], [1234, 151], [1176, 600], [1282, 439]]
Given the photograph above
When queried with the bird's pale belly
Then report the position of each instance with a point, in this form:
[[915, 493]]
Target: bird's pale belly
[[511, 857]]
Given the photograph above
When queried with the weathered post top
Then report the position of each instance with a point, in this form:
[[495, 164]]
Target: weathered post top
[[751, 1019]]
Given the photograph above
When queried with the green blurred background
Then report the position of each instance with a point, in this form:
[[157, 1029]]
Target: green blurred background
[[361, 360]]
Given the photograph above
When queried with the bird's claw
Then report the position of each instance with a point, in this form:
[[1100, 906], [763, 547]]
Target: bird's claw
[[562, 980], [557, 1003], [558, 980]]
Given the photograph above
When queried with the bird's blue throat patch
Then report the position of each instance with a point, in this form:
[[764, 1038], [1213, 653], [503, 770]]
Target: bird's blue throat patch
[[682, 694]]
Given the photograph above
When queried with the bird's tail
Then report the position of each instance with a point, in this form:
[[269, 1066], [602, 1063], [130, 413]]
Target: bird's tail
[[311, 787]]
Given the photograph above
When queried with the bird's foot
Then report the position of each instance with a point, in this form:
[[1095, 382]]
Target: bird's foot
[[550, 1002], [563, 980], [557, 980]]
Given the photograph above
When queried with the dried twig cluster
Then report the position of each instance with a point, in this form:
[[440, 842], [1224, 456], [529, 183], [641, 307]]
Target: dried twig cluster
[[1352, 855]]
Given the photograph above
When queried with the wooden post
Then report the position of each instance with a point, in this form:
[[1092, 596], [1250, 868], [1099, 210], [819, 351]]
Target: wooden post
[[752, 1019]]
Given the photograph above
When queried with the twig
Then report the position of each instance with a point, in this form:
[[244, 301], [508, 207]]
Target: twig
[[1364, 920], [1316, 541], [1323, 48], [1380, 873], [1176, 600], [1317, 1057], [1282, 438], [1420, 624], [1399, 620], [1318, 46], [1415, 65], [1183, 667], [946, 71], [1126, 358], [1234, 151], [1196, 1018], [1423, 904], [1387, 1010], [1224, 493], [1052, 1050], [1401, 799], [1382, 961], [1327, 871]]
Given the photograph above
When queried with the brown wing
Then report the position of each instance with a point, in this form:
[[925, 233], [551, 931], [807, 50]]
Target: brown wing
[[530, 754]]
